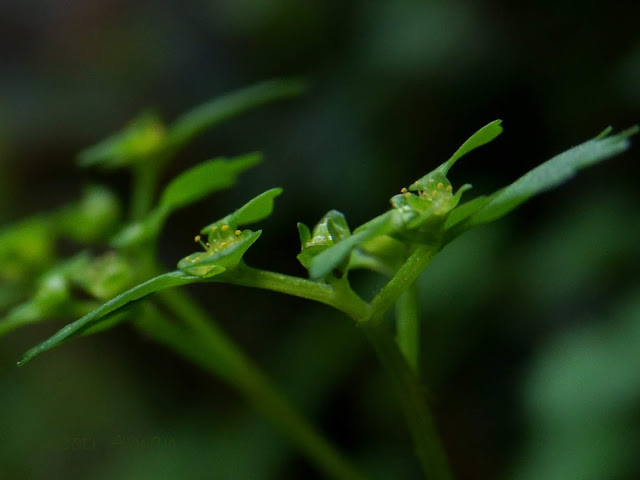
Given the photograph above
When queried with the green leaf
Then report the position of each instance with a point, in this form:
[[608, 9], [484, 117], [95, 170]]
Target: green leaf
[[206, 178], [331, 258], [146, 137], [137, 141], [189, 187], [257, 209], [141, 232], [305, 234], [253, 211], [437, 176], [220, 109], [481, 137], [95, 216], [337, 226], [465, 210], [549, 175], [331, 229], [103, 313]]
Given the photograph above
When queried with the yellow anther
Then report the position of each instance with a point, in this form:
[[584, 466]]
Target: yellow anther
[[198, 239], [404, 190], [449, 188], [431, 180], [225, 228], [214, 228], [440, 185], [407, 195], [238, 232], [223, 244], [434, 194], [188, 259]]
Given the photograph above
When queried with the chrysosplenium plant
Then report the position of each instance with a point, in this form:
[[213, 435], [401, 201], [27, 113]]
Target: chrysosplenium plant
[[127, 283]]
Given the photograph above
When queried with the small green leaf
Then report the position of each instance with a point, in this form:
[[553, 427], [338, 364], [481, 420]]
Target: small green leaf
[[483, 136], [92, 218], [465, 210], [337, 226], [137, 141], [549, 175], [189, 187], [144, 231], [331, 258], [382, 254], [331, 229], [220, 109], [305, 234], [256, 209], [146, 137], [206, 178], [168, 280]]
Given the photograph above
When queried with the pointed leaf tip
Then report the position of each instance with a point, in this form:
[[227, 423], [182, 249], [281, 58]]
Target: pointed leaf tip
[[483, 136]]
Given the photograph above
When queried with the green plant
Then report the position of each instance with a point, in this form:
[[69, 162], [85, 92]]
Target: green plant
[[398, 244]]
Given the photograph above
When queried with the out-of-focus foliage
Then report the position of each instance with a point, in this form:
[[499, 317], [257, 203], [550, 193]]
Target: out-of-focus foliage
[[582, 397]]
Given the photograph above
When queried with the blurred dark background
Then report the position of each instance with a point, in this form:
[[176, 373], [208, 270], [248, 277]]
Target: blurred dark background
[[531, 332]]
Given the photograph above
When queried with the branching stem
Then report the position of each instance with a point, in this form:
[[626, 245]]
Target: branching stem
[[401, 365], [206, 345]]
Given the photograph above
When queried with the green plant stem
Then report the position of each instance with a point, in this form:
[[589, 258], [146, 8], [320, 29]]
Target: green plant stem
[[419, 418], [402, 280], [145, 182], [343, 299], [220, 356], [408, 326], [412, 396]]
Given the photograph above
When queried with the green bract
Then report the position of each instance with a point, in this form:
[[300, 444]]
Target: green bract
[[187, 188], [225, 244], [92, 218], [331, 229], [138, 141]]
